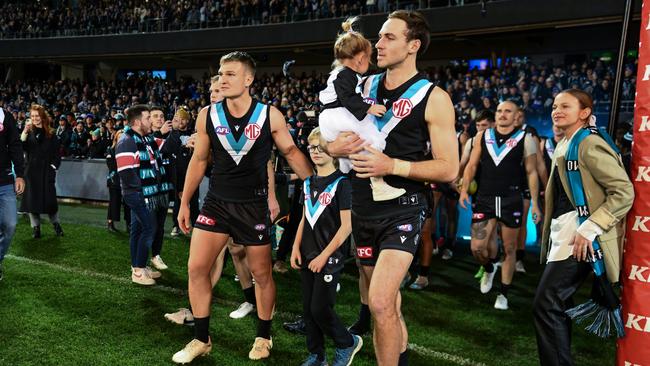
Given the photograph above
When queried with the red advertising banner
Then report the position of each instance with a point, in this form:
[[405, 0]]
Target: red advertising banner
[[634, 348]]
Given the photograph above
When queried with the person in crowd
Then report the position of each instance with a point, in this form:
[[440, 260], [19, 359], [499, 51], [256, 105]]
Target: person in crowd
[[79, 141], [42, 161]]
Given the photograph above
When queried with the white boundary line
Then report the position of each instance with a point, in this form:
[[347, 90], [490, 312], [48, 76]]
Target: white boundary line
[[424, 351]]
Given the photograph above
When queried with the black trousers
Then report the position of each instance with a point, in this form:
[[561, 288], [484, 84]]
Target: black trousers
[[559, 282], [318, 298], [114, 202], [159, 233], [194, 208]]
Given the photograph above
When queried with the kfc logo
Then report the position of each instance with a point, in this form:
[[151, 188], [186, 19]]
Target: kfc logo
[[402, 108], [252, 132], [325, 198], [364, 252], [222, 130], [204, 220]]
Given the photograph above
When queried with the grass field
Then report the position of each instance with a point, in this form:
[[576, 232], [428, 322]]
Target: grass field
[[69, 301]]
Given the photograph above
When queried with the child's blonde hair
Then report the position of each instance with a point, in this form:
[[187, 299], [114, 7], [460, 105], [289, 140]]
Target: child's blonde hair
[[350, 42], [315, 138]]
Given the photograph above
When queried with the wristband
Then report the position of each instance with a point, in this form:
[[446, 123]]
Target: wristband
[[401, 168]]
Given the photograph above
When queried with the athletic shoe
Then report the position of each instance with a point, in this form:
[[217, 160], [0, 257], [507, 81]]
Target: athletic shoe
[[181, 317], [381, 191], [312, 360], [297, 327], [191, 351], [519, 267], [406, 280], [435, 251], [501, 303], [142, 277], [420, 283], [175, 232], [486, 281], [480, 272], [344, 356], [236, 278], [58, 229], [280, 267], [153, 274], [244, 309], [36, 232], [158, 263], [447, 254], [360, 329], [261, 348]]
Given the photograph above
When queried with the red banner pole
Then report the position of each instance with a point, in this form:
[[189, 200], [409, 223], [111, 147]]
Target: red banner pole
[[634, 348]]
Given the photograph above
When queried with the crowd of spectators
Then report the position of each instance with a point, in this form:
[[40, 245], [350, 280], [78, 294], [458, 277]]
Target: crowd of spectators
[[86, 115], [27, 19]]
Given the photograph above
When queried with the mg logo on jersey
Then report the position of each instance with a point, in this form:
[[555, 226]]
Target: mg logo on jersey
[[252, 131], [369, 101], [511, 143], [364, 252], [402, 108], [204, 220], [222, 130], [325, 198], [478, 216]]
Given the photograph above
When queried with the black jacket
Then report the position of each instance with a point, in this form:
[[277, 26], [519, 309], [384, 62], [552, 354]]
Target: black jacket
[[40, 173], [11, 149]]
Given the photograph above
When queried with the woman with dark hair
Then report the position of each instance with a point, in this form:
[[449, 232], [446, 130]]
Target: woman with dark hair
[[587, 197], [115, 189], [42, 160]]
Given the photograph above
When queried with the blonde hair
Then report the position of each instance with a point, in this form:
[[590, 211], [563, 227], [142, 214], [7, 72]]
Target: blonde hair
[[315, 136], [214, 79], [350, 43]]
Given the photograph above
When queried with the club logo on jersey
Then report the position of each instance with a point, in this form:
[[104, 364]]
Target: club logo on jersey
[[369, 101], [252, 131], [478, 216], [325, 198], [260, 227], [405, 227], [511, 143], [402, 108], [402, 238], [364, 252], [222, 130], [204, 220]]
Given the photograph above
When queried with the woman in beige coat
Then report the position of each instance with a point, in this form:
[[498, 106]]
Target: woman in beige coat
[[567, 243]]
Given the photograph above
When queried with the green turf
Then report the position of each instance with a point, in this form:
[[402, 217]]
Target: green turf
[[52, 315]]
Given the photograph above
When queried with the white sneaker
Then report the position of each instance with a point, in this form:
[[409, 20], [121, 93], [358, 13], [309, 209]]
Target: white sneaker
[[181, 317], [191, 351], [153, 274], [486, 281], [158, 263], [381, 191], [435, 251], [447, 254], [142, 277], [175, 232], [501, 303], [236, 278], [519, 267], [244, 309]]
